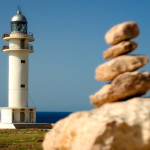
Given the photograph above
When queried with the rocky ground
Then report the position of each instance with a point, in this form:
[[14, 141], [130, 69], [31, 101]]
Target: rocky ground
[[21, 139], [117, 126]]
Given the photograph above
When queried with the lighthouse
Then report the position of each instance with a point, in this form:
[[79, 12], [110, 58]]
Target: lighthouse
[[18, 52]]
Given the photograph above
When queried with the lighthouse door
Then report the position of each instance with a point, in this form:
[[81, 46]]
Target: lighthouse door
[[22, 116], [22, 43]]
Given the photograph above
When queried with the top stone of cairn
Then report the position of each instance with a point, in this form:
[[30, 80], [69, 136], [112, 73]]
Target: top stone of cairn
[[121, 32]]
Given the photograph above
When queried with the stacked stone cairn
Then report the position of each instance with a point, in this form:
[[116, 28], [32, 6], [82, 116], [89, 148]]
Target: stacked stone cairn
[[114, 126], [124, 82]]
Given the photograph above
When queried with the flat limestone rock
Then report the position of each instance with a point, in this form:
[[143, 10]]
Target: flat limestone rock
[[121, 32], [126, 85], [119, 49], [116, 126], [125, 63]]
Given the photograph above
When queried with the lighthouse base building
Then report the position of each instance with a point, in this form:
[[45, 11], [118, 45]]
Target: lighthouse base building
[[18, 117], [18, 114]]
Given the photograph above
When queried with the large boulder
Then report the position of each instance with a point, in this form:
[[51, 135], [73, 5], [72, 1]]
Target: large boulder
[[119, 49], [125, 63], [117, 126], [121, 32], [126, 85]]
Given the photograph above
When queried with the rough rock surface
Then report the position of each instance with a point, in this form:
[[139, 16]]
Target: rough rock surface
[[119, 49], [126, 85], [117, 126], [125, 63], [121, 32]]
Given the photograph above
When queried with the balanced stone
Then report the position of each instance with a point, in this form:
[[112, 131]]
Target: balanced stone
[[125, 63], [119, 49], [126, 85], [121, 32], [117, 126]]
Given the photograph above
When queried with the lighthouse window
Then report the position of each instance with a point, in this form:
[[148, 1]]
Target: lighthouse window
[[31, 116], [22, 85], [23, 61]]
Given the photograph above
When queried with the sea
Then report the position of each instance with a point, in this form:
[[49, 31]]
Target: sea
[[50, 117]]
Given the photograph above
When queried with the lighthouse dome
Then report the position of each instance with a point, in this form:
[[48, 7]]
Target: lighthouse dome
[[19, 17]]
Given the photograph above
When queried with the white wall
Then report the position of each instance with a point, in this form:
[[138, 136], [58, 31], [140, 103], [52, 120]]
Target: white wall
[[15, 43], [18, 74], [16, 116], [6, 116]]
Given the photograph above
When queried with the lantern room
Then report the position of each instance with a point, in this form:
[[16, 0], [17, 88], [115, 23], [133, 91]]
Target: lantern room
[[18, 23]]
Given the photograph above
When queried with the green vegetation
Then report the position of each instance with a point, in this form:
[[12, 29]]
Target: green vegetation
[[21, 139]]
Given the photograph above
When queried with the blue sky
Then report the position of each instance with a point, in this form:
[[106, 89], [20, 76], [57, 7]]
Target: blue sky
[[69, 42]]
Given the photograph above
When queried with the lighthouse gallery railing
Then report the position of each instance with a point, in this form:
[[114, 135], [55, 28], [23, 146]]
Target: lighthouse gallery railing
[[27, 46], [29, 34]]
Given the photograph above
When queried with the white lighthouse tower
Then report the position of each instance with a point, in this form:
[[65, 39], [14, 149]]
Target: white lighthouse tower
[[18, 51]]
